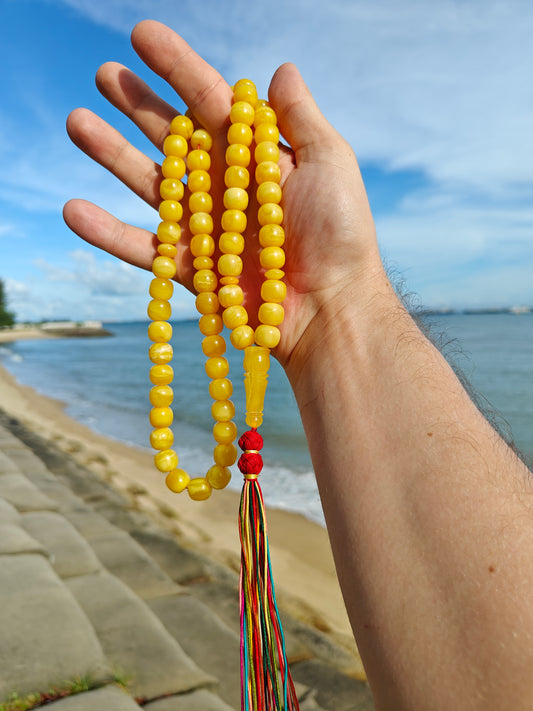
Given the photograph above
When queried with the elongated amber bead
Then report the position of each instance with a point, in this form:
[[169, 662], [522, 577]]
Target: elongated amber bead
[[256, 365]]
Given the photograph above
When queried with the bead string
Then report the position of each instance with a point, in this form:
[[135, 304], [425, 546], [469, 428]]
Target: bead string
[[188, 151]]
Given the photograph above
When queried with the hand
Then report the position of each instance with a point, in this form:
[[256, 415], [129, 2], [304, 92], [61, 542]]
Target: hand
[[330, 242]]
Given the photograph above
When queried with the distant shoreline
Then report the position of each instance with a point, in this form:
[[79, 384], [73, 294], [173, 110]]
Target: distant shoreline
[[54, 329]]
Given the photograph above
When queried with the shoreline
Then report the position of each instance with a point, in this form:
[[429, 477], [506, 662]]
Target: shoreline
[[304, 571]]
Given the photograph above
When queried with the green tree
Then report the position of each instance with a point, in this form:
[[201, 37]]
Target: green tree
[[7, 318]]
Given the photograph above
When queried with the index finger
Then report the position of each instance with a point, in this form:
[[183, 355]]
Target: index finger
[[199, 85]]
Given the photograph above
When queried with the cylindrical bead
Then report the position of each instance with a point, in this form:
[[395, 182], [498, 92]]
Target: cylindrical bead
[[159, 310], [230, 265], [161, 438], [164, 267], [224, 432], [242, 112], [233, 221], [161, 416], [161, 395], [231, 243], [216, 367], [230, 295], [161, 289], [238, 154], [203, 263], [177, 480], [267, 171], [267, 336], [205, 280], [182, 126], [270, 214], [234, 316], [202, 245], [161, 374], [266, 151], [168, 232], [166, 250], [223, 410], [199, 489], [265, 114], [245, 92], [200, 223], [268, 192], [220, 389], [213, 346], [271, 314], [171, 189], [166, 460], [242, 337], [160, 353], [199, 180], [272, 258], [236, 176], [175, 145], [271, 236], [170, 210], [159, 331], [225, 455], [266, 132], [273, 290], [198, 160], [207, 303], [235, 199], [210, 324], [200, 201], [201, 139], [240, 133], [173, 167], [218, 476]]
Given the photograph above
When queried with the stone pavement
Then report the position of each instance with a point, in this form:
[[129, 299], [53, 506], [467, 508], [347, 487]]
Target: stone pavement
[[92, 590]]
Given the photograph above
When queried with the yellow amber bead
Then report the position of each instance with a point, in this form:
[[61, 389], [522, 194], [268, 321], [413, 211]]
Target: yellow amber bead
[[221, 389], [238, 154], [175, 145], [218, 476], [201, 139], [201, 223], [271, 235], [166, 460], [177, 480], [167, 250], [265, 114], [216, 367], [256, 365], [202, 245], [235, 316], [161, 374], [161, 416], [235, 199], [261, 102], [230, 265], [210, 324], [164, 267], [240, 133], [223, 410], [245, 92], [225, 455], [233, 221], [274, 274], [161, 289], [266, 151], [243, 81], [171, 189], [270, 214], [267, 171], [266, 132], [159, 310], [198, 160], [160, 353], [272, 258], [229, 280], [203, 263], [160, 331], [199, 180], [267, 336], [268, 192], [200, 202], [224, 432], [242, 112], [182, 126], [236, 176], [170, 210], [207, 303], [230, 295], [205, 280], [213, 346], [242, 337], [168, 232], [231, 243], [270, 313], [199, 489], [273, 290], [161, 395], [162, 438], [173, 167]]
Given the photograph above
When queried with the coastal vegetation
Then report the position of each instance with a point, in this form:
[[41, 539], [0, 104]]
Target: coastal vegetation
[[7, 318]]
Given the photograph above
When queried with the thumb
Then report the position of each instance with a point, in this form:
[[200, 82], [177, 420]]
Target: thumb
[[300, 121]]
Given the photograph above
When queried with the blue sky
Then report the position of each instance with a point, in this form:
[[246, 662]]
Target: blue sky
[[436, 99]]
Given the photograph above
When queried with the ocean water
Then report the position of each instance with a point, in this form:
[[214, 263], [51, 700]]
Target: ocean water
[[104, 384]]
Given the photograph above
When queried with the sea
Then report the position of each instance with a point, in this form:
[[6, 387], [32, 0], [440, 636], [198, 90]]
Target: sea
[[104, 384]]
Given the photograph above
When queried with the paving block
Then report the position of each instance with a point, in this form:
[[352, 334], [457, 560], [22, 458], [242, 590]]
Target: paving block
[[108, 698], [197, 701], [206, 639], [23, 495], [8, 513], [70, 554], [14, 540], [46, 638], [6, 438], [134, 639], [24, 459], [334, 690], [7, 465], [126, 559], [85, 520]]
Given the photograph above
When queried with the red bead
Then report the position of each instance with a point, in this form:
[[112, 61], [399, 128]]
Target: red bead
[[250, 463], [250, 440]]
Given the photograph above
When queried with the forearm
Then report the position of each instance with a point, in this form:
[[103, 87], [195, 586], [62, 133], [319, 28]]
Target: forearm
[[421, 498]]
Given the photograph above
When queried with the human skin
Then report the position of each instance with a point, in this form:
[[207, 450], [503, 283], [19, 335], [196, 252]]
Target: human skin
[[428, 511]]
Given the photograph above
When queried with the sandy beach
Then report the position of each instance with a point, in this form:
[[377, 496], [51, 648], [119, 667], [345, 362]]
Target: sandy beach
[[306, 582]]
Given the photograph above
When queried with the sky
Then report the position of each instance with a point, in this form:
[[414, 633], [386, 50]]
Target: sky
[[436, 99]]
